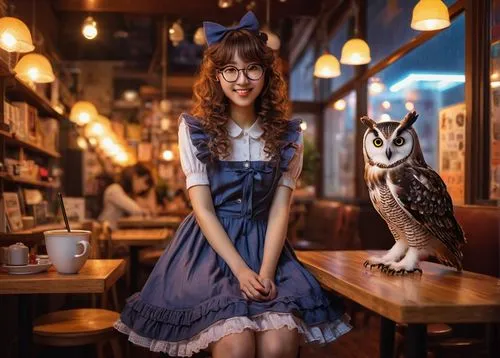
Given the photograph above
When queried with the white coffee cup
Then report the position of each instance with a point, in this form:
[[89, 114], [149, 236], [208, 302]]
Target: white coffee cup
[[67, 251]]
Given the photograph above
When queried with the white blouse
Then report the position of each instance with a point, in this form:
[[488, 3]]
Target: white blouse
[[247, 145]]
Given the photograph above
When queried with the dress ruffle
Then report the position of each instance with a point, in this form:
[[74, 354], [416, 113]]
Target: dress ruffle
[[198, 137], [290, 139], [320, 333]]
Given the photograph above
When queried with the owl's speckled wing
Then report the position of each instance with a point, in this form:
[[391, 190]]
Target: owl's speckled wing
[[422, 193]]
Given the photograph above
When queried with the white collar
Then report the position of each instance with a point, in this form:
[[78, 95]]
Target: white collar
[[234, 130]]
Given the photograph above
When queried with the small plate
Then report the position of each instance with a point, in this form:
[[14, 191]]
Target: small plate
[[27, 269]]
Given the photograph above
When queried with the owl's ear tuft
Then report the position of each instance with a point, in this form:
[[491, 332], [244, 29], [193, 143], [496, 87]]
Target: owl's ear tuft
[[367, 121], [407, 122]]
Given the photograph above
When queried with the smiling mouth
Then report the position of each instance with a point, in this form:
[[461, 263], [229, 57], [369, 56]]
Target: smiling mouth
[[243, 91]]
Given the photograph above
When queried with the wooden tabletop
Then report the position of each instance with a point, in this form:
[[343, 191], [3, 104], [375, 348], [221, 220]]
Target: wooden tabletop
[[440, 294], [141, 237], [96, 276], [150, 222]]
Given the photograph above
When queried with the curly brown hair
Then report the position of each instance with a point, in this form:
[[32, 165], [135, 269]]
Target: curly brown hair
[[211, 106]]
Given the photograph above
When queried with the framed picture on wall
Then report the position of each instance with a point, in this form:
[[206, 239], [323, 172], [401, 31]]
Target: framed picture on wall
[[13, 211]]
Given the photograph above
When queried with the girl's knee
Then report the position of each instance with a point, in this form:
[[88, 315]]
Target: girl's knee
[[283, 344], [240, 345]]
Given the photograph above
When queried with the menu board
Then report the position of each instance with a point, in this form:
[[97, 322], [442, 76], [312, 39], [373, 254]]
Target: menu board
[[452, 150]]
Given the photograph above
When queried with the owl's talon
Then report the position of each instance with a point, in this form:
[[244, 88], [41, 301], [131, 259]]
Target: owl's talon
[[366, 263]]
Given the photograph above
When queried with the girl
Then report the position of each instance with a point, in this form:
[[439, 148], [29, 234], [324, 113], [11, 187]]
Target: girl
[[229, 283], [123, 198]]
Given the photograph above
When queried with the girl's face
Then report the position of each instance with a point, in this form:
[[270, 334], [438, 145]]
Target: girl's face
[[140, 184], [241, 82]]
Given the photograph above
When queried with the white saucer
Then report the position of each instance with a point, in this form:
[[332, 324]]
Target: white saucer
[[27, 269]]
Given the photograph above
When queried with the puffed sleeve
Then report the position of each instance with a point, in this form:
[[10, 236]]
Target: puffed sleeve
[[193, 168], [289, 178]]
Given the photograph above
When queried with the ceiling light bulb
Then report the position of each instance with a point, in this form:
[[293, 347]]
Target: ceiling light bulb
[[89, 28], [386, 104], [224, 4], [409, 106], [303, 126], [168, 155], [340, 105]]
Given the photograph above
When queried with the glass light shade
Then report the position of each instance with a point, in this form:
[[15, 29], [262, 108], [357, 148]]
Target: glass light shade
[[273, 41], [15, 35], [355, 52], [83, 112], [224, 4], [429, 15], [327, 66], [34, 68], [176, 33], [98, 127], [199, 37], [89, 28]]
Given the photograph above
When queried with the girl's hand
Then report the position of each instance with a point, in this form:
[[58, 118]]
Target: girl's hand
[[251, 285], [270, 288]]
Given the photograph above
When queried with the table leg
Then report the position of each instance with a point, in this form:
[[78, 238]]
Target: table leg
[[416, 341], [387, 332], [25, 328], [134, 268]]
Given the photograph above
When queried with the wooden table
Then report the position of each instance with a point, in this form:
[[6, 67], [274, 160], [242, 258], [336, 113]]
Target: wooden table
[[440, 294], [140, 222], [96, 276], [135, 239]]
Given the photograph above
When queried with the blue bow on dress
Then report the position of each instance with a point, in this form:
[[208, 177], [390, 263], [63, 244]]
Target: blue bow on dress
[[214, 32]]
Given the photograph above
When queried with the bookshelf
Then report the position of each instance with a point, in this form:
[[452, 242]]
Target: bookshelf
[[19, 148]]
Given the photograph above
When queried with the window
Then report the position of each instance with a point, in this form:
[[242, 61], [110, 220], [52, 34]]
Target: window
[[301, 78], [388, 26], [431, 80], [339, 146], [495, 102], [335, 47]]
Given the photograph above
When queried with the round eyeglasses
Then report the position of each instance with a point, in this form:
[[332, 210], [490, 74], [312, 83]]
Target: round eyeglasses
[[253, 72]]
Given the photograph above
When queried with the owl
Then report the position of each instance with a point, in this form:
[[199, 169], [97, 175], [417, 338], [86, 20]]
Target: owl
[[411, 197]]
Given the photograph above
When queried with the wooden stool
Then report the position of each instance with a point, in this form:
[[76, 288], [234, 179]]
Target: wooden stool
[[78, 327], [436, 332], [459, 347]]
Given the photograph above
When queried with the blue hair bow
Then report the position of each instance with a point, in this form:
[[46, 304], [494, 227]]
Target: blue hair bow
[[214, 32]]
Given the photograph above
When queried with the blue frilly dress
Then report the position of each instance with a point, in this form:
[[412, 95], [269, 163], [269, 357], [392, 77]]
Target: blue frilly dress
[[192, 298]]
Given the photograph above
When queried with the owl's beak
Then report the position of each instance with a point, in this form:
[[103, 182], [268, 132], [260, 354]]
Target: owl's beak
[[388, 152]]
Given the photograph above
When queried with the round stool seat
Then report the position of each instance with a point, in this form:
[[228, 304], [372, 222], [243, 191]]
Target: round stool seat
[[74, 327]]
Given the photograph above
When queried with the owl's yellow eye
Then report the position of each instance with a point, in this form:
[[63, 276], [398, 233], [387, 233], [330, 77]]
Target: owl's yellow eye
[[399, 141], [377, 142]]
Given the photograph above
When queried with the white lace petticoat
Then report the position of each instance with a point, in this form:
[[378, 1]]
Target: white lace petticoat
[[320, 334]]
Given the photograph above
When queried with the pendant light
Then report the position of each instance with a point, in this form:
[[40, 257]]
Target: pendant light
[[176, 33], [35, 68], [199, 37], [273, 41], [15, 35], [89, 28], [430, 15], [224, 4], [355, 51], [327, 65], [83, 112]]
